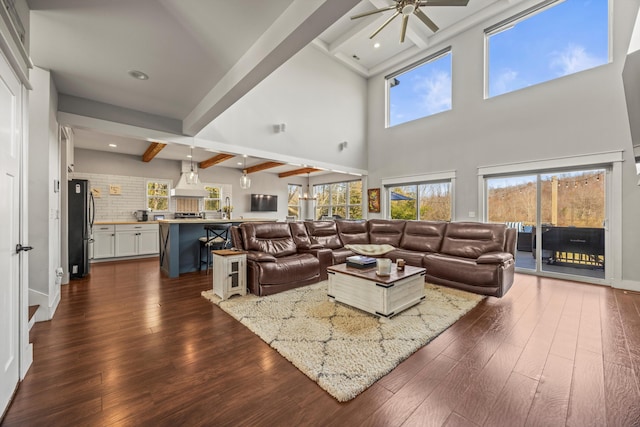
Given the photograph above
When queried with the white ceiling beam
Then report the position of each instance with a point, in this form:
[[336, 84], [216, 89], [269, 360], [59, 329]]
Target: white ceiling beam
[[301, 22]]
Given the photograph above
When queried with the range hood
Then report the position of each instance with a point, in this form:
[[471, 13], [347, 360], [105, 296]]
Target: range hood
[[184, 189]]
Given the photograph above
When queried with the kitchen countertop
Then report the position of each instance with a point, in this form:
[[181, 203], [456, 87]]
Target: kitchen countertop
[[123, 222], [214, 221]]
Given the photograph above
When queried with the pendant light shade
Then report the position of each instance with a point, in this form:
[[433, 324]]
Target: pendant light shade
[[192, 176], [245, 181]]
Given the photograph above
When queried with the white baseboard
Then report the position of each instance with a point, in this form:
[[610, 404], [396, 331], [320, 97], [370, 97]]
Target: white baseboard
[[45, 311], [630, 285]]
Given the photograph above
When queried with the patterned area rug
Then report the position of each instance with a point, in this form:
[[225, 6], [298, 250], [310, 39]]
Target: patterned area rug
[[343, 349]]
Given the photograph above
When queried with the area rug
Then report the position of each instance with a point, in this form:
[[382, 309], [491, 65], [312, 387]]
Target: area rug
[[343, 349]]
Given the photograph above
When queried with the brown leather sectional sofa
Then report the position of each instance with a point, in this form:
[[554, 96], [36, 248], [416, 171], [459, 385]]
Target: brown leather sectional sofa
[[472, 256]]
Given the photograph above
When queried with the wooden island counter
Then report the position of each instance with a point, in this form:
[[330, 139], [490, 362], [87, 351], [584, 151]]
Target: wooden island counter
[[179, 244]]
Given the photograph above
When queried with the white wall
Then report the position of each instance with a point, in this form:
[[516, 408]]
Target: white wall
[[44, 202], [580, 114], [321, 102]]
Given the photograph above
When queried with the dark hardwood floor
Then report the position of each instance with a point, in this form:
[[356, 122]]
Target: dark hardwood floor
[[130, 347]]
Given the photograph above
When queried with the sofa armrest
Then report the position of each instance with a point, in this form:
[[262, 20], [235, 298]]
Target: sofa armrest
[[494, 258], [258, 256], [325, 256], [306, 246]]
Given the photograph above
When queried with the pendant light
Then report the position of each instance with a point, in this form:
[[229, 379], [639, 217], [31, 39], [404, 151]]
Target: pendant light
[[245, 181], [192, 177], [307, 194]]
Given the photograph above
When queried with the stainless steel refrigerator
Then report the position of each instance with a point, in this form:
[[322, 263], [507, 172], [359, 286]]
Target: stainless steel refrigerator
[[81, 212]]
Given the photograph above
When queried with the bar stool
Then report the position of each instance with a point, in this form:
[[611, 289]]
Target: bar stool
[[217, 238]]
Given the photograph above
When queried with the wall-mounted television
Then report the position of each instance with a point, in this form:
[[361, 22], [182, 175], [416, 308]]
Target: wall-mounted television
[[264, 203]]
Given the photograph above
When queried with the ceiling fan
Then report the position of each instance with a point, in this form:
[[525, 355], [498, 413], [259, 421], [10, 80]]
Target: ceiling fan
[[408, 7]]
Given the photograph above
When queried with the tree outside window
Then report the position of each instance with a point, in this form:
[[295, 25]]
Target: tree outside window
[[158, 195]]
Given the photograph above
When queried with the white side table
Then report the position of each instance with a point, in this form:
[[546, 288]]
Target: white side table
[[229, 273]]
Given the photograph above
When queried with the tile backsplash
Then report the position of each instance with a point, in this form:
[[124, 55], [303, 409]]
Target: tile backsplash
[[132, 196], [120, 207]]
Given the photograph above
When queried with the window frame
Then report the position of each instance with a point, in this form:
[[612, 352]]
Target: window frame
[[428, 59], [169, 184], [431, 178], [297, 206], [332, 206], [205, 199]]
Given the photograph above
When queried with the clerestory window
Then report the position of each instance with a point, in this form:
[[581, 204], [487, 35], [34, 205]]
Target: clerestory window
[[420, 90], [546, 42]]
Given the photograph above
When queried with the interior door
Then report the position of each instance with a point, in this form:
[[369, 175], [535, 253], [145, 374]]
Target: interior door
[[10, 157]]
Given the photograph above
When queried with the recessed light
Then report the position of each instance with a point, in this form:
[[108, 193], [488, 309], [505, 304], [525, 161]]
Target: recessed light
[[376, 45], [189, 156], [239, 163], [139, 75], [112, 145]]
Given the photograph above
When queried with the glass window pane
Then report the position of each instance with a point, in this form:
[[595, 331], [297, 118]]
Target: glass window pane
[[421, 91], [512, 199], [158, 203], [211, 205], [403, 201], [569, 37], [339, 193], [435, 201], [355, 193], [355, 212], [321, 211]]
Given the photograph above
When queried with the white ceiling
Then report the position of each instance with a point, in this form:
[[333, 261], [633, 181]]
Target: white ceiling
[[200, 54]]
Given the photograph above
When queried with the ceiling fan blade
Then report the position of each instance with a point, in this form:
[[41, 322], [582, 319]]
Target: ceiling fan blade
[[444, 3], [425, 19], [384, 25], [405, 20], [372, 12]]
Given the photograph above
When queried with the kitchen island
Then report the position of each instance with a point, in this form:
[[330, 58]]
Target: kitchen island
[[179, 244]]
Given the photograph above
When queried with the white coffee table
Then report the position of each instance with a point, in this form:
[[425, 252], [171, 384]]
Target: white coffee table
[[380, 295]]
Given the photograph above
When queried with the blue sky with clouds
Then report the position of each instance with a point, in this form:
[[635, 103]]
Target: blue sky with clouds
[[569, 37]]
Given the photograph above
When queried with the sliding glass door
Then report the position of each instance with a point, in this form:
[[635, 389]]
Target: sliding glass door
[[513, 200], [573, 222], [564, 210]]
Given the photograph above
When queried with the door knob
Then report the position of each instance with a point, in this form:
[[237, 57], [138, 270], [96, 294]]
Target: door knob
[[19, 248]]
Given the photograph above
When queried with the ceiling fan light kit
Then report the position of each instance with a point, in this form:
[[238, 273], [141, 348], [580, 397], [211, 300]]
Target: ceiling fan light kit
[[410, 7]]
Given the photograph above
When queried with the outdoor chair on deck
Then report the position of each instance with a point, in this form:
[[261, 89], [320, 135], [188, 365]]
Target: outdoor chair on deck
[[217, 238]]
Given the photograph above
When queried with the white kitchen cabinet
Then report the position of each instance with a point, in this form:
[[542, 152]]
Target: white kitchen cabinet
[[136, 239], [104, 241], [148, 242]]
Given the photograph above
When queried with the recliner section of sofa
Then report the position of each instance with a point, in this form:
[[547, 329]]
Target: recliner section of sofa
[[276, 261]]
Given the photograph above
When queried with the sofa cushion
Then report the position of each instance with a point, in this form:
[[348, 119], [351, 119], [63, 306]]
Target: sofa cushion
[[290, 269], [423, 236], [472, 239], [299, 234], [325, 233], [353, 232], [386, 231], [273, 238]]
